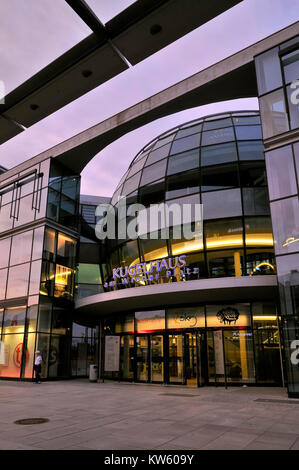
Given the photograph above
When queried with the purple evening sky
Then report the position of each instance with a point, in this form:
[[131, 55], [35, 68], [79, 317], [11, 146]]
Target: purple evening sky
[[35, 32]]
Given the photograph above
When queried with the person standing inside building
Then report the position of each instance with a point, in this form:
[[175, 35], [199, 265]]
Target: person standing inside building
[[38, 366]]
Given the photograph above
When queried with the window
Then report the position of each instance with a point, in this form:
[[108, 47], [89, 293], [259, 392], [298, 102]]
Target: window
[[163, 141], [186, 143], [223, 234], [158, 154], [293, 101], [49, 244], [268, 71], [154, 249], [210, 125], [189, 131], [152, 194], [66, 250], [253, 174], [255, 201], [136, 167], [225, 263], [4, 252], [3, 279], [21, 248], [251, 150], [129, 253], [281, 172], [285, 218], [18, 278], [89, 273], [246, 121], [217, 136], [273, 112], [216, 154], [220, 204], [183, 162], [187, 183], [219, 177], [290, 63], [248, 132], [153, 172], [148, 321], [258, 232], [131, 184]]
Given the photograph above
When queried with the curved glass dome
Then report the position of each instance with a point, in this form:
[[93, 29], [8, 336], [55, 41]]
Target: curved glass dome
[[217, 161]]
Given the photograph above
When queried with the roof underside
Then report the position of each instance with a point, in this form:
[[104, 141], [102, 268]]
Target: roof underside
[[142, 29]]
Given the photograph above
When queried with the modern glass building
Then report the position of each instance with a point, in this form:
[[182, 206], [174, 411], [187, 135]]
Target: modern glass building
[[221, 308], [217, 161], [277, 77]]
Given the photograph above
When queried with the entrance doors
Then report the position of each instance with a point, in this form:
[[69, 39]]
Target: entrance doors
[[194, 376], [150, 358], [170, 358]]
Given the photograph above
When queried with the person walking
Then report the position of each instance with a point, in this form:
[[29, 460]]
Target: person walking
[[38, 366]]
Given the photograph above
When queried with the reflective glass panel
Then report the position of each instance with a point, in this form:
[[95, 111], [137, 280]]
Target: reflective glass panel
[[159, 154], [273, 113], [223, 234], [225, 263], [49, 244], [153, 172], [25, 212], [255, 201], [129, 253], [281, 172], [154, 249], [245, 121], [21, 248], [285, 219], [66, 250], [209, 125], [187, 183], [217, 136], [216, 154], [268, 71], [239, 356], [18, 278], [186, 143], [38, 241], [293, 101], [4, 252], [3, 280], [189, 131], [251, 150], [258, 232], [220, 204], [183, 162], [219, 177], [131, 184], [249, 132], [150, 321], [14, 320], [290, 63]]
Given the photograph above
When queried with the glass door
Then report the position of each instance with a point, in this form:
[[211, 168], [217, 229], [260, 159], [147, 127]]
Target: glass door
[[194, 359], [157, 358], [142, 358], [126, 357], [176, 358], [191, 359]]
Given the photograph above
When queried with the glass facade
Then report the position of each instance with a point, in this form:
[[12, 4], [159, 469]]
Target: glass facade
[[37, 265], [198, 345], [218, 162], [278, 74]]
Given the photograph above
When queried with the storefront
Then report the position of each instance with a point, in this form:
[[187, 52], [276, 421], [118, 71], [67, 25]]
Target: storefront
[[233, 344]]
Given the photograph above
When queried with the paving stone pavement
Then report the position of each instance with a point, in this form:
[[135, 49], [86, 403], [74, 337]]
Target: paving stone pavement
[[121, 416]]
